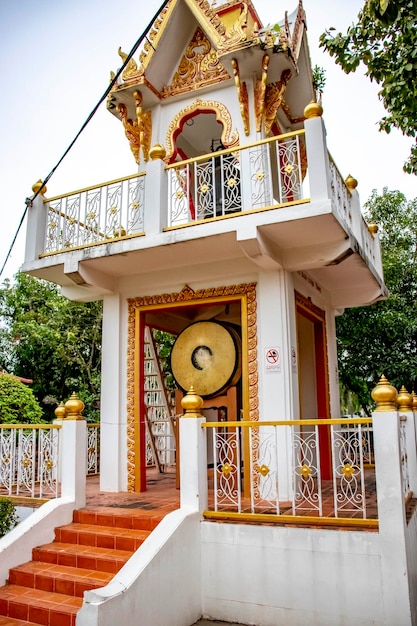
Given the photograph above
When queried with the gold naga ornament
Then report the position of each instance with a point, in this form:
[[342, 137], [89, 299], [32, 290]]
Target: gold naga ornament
[[139, 131]]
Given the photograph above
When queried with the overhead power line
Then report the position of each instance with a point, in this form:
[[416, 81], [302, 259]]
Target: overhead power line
[[87, 121]]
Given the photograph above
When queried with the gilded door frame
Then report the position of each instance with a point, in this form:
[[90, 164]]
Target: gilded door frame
[[137, 307]]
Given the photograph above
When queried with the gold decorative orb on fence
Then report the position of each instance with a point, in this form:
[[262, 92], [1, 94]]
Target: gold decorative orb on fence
[[404, 401], [192, 403], [313, 109], [74, 407], [385, 396], [60, 411]]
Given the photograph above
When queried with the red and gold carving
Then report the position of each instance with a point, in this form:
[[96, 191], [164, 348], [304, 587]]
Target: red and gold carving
[[274, 96], [198, 67], [260, 88], [228, 138], [242, 93]]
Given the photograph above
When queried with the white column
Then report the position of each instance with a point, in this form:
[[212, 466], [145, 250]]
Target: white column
[[193, 455], [36, 229], [317, 155], [156, 193], [113, 460], [392, 518], [74, 461]]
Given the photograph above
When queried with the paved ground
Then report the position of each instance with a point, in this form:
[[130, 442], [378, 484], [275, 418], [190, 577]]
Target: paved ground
[[206, 622]]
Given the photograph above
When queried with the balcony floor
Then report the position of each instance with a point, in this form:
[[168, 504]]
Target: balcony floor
[[163, 495]]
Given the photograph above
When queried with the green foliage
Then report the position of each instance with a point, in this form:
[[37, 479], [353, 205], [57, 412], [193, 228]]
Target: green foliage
[[18, 405], [384, 39], [53, 341], [164, 342], [382, 338], [319, 80], [8, 517]]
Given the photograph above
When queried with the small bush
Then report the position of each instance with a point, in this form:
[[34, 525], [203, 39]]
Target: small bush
[[18, 404], [8, 516]]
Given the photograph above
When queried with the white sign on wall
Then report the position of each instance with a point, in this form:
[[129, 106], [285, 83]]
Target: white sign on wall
[[272, 359]]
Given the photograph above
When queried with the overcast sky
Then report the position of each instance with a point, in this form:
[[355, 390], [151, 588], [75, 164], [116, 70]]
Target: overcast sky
[[55, 62]]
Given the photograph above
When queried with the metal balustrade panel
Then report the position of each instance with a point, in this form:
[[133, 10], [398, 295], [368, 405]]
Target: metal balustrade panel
[[96, 214], [343, 494]]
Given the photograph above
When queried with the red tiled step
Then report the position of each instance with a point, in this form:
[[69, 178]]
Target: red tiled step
[[10, 621], [87, 557], [40, 607], [121, 518], [58, 578], [112, 537]]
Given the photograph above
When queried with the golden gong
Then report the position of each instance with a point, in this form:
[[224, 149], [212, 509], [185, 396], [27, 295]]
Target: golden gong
[[206, 356]]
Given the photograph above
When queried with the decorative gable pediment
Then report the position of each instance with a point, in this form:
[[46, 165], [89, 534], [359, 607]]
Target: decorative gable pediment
[[199, 67]]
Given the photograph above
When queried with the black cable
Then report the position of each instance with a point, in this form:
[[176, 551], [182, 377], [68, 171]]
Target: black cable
[[29, 201]]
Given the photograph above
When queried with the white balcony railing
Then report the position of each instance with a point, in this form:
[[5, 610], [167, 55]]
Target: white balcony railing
[[95, 214], [29, 460], [248, 475], [266, 174]]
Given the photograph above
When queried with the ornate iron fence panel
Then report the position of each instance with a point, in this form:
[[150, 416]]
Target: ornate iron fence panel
[[29, 460], [227, 470], [313, 483], [96, 214], [211, 185], [307, 492], [93, 449]]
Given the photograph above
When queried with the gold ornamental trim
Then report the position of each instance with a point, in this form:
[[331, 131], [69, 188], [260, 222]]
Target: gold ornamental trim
[[246, 292], [199, 67], [228, 138], [259, 93], [242, 94]]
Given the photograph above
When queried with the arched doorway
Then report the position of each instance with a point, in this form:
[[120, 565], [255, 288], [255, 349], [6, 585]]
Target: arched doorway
[[174, 312]]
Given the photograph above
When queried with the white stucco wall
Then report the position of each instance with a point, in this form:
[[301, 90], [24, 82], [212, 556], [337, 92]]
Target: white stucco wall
[[293, 576]]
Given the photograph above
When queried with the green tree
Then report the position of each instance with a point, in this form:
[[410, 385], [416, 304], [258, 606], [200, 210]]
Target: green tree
[[8, 516], [52, 340], [382, 338], [18, 404], [384, 39]]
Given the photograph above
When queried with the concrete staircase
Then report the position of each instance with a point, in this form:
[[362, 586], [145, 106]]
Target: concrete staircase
[[85, 554]]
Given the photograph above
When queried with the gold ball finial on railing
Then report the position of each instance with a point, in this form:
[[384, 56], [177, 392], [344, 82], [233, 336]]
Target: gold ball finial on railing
[[404, 401], [385, 395], [414, 401], [60, 411], [37, 187], [351, 183], [157, 152], [313, 109], [74, 407], [192, 403], [373, 228]]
